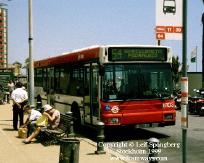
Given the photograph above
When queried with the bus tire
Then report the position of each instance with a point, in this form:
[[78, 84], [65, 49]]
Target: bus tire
[[201, 112], [76, 115]]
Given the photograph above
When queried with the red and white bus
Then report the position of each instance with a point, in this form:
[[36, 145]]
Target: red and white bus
[[117, 84]]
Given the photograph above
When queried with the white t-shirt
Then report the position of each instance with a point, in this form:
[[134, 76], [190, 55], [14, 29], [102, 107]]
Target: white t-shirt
[[34, 115], [19, 95]]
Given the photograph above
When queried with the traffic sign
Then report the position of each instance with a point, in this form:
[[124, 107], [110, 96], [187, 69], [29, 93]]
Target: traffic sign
[[169, 19], [160, 36]]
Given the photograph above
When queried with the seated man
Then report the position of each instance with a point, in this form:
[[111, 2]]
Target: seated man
[[33, 115], [53, 116]]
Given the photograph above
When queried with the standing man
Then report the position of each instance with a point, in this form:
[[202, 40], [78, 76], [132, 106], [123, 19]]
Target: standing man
[[20, 98]]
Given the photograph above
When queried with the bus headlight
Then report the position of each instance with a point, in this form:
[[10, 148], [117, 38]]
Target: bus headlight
[[113, 120], [168, 116]]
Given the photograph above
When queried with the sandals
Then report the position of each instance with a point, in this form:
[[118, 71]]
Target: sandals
[[26, 142]]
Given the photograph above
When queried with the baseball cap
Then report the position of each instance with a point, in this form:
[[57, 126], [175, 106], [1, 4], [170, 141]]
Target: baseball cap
[[47, 107]]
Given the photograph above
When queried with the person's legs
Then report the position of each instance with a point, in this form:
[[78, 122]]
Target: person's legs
[[15, 117], [21, 115], [31, 128], [33, 135]]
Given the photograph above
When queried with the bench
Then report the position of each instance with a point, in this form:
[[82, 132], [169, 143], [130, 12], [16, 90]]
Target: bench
[[64, 130]]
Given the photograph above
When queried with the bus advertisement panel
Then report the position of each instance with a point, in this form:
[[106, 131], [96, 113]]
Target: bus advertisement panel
[[119, 85]]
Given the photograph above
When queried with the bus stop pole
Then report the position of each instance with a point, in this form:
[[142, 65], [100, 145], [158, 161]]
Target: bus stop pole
[[203, 51], [184, 116], [31, 67]]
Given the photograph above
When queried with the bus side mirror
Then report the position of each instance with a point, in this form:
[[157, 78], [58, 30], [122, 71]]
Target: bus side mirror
[[101, 70]]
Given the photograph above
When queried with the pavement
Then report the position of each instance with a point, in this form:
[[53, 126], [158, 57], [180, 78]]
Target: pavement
[[12, 150]]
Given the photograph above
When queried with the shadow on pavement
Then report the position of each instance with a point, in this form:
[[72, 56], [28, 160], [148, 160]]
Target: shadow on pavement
[[111, 135], [120, 134], [8, 129], [6, 120]]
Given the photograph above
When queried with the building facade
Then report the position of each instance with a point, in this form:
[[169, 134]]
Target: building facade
[[3, 36]]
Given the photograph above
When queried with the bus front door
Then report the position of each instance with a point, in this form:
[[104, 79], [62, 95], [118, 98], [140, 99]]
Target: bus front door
[[91, 97]]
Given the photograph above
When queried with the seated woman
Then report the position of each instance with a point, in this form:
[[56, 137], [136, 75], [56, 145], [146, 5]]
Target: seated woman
[[33, 115], [53, 116]]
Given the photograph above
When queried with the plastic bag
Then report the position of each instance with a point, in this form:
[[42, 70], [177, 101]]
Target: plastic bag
[[42, 121], [22, 132]]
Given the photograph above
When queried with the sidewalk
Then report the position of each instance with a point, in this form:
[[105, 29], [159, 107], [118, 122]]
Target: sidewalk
[[12, 150]]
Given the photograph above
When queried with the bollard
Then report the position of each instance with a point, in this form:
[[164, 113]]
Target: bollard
[[100, 138], [39, 106], [69, 150], [153, 149], [71, 127]]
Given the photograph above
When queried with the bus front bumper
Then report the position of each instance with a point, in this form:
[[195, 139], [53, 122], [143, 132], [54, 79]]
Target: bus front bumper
[[140, 121]]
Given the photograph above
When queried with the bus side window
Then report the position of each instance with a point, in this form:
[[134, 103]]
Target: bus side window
[[86, 88], [80, 88], [86, 81], [73, 85]]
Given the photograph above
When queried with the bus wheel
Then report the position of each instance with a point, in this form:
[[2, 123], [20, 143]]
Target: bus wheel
[[201, 112], [76, 115]]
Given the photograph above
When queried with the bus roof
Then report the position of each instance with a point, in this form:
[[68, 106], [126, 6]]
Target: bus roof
[[83, 55], [70, 57]]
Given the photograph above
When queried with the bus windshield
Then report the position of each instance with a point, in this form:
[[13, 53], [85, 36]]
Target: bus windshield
[[137, 81]]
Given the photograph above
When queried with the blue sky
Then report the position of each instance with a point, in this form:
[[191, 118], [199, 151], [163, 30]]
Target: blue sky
[[64, 25]]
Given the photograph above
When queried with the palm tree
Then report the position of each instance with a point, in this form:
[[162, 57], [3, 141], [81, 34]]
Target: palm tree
[[17, 63], [17, 69], [175, 69], [26, 63]]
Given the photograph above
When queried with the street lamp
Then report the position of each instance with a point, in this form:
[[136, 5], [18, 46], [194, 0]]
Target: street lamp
[[31, 67]]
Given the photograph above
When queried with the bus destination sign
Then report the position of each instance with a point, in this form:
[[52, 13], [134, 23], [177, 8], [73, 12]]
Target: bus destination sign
[[137, 54]]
